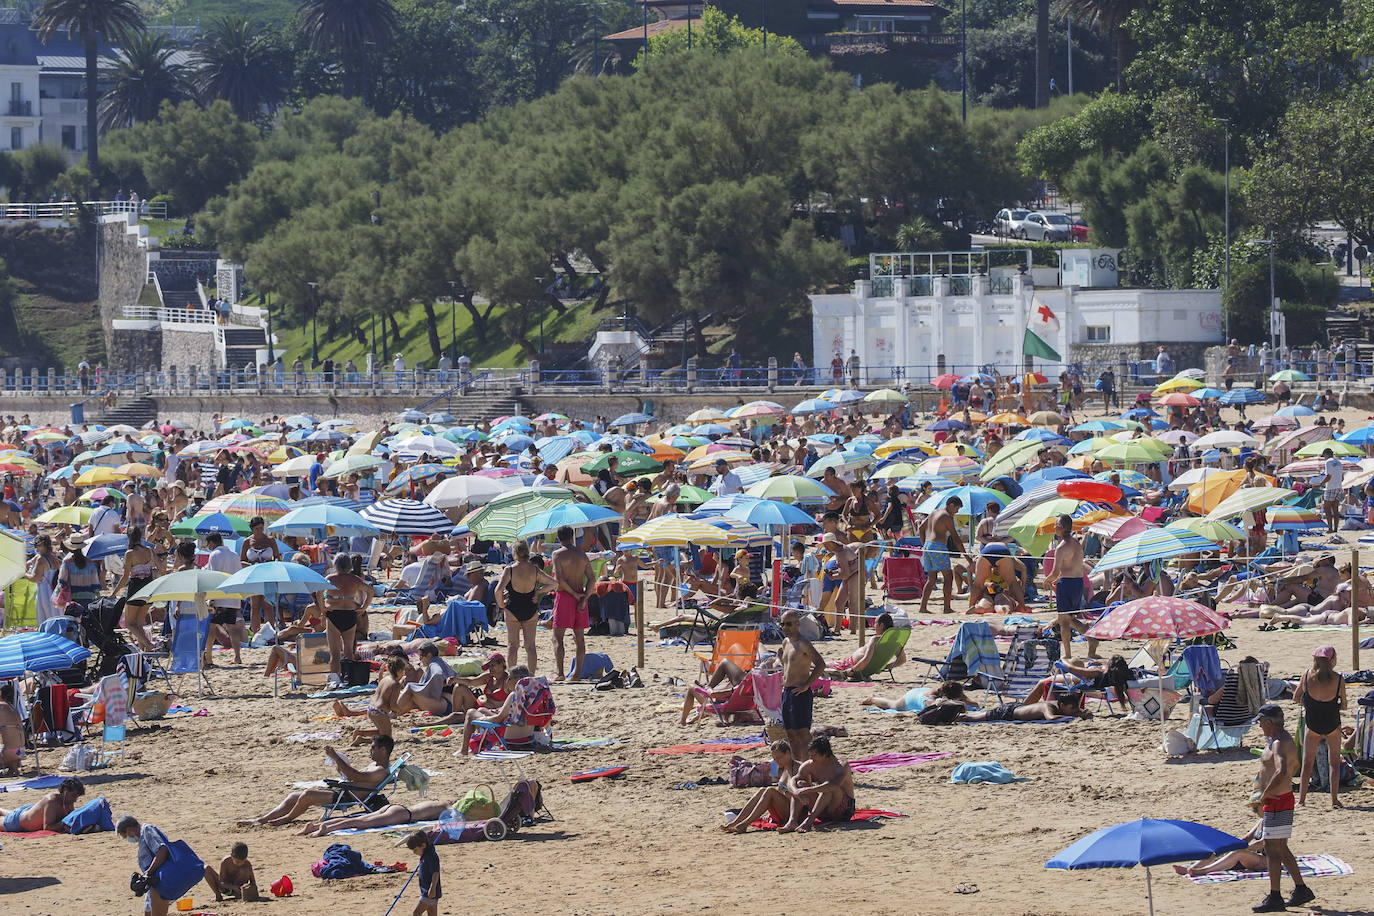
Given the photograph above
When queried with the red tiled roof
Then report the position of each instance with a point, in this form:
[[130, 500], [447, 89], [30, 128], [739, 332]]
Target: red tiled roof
[[655, 28]]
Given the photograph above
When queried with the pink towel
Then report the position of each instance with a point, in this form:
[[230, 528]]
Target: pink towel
[[891, 761]]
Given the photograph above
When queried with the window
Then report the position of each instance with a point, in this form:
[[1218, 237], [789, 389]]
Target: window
[[16, 138], [69, 137], [16, 91], [1098, 333]]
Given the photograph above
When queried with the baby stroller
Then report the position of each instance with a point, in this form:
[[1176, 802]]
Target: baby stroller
[[100, 622]]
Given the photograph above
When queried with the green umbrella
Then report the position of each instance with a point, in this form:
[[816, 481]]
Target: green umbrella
[[630, 463], [352, 464], [690, 496], [1010, 457], [1289, 375], [504, 517], [185, 585]]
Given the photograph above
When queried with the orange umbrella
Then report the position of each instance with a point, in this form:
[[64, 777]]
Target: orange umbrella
[[1178, 399], [665, 452], [1009, 418]]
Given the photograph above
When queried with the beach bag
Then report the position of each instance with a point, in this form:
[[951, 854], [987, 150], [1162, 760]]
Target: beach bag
[[355, 673], [942, 714], [476, 805], [538, 699], [92, 817], [1178, 744], [182, 871], [750, 774], [80, 757]]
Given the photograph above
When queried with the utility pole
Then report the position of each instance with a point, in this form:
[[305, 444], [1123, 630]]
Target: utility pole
[[1068, 23], [1226, 316]]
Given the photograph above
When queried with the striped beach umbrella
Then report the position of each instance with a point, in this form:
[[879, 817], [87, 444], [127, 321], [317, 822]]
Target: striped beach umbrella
[[953, 467], [1338, 448], [506, 515], [813, 405], [1210, 528], [352, 464], [1291, 518], [1149, 546], [1249, 499], [407, 517], [247, 505], [675, 531], [22, 653], [843, 462], [419, 473], [792, 488], [1239, 397], [1290, 375]]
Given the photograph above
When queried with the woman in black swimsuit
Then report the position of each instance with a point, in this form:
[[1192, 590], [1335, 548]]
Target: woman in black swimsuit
[[517, 594], [343, 603], [1321, 691]]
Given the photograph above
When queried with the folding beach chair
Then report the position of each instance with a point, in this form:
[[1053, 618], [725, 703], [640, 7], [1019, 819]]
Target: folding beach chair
[[890, 644], [706, 623], [904, 578], [531, 714], [735, 643], [768, 695], [312, 663], [112, 744], [353, 796], [458, 620], [190, 636], [737, 708], [1243, 691], [1064, 679], [1028, 661], [804, 594]]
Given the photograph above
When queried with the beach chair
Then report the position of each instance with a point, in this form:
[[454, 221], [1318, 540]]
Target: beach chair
[[706, 623], [112, 744], [361, 796], [768, 696], [804, 594], [738, 644], [904, 578], [890, 644], [531, 714], [1028, 661], [1064, 679], [1243, 691], [735, 709], [458, 620], [190, 636], [312, 663]]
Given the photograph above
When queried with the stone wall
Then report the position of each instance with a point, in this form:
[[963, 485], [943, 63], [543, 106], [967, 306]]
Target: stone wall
[[1120, 356], [185, 349], [135, 349], [123, 274]]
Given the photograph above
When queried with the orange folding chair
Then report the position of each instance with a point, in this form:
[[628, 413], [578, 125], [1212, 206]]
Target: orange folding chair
[[738, 644]]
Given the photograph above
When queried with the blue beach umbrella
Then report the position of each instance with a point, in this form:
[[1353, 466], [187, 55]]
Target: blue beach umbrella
[[1145, 842], [323, 518], [1148, 546], [1294, 410], [813, 405], [1046, 475], [770, 513], [1098, 426], [1207, 394], [1042, 434], [630, 419], [975, 500], [574, 515], [34, 652], [276, 576], [1242, 396]]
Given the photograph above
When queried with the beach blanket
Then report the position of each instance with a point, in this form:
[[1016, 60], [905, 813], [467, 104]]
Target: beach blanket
[[1320, 866], [1062, 720], [862, 814], [892, 761], [577, 744], [406, 829], [341, 692], [33, 782], [982, 771], [303, 737], [708, 748]]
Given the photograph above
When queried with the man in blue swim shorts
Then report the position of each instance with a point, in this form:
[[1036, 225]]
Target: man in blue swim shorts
[[940, 536], [801, 665]]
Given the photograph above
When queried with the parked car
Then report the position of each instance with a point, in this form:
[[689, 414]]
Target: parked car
[[1078, 232], [1045, 227], [1008, 222]]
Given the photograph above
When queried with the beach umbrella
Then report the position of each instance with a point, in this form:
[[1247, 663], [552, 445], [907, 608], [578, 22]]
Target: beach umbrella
[[1295, 410], [945, 380], [572, 514], [902, 443], [1190, 477], [1033, 378], [138, 469], [629, 463], [21, 653], [813, 405], [1226, 438], [1362, 436], [300, 420], [706, 415], [1127, 478], [1145, 842], [894, 471], [323, 518], [326, 435], [247, 505], [1290, 375], [1248, 500], [549, 415], [1089, 489], [1034, 528], [442, 418], [1208, 493], [711, 429], [1338, 448], [630, 419], [952, 467], [886, 397], [1178, 437], [741, 533], [210, 523], [948, 448], [352, 464], [1292, 518], [99, 476], [294, 467], [1042, 435], [758, 410], [1052, 474], [506, 515], [1011, 456], [1098, 426], [1136, 451], [184, 585], [1311, 467], [766, 514], [66, 515], [1211, 529], [467, 490], [1120, 527], [415, 474], [693, 496], [975, 500], [1296, 438], [107, 545], [948, 424], [1046, 418], [791, 488], [414, 447], [1149, 546], [675, 531], [843, 462], [1177, 383], [847, 396], [1274, 421], [1178, 399], [407, 517], [914, 482], [1241, 396], [1008, 418], [99, 493], [275, 576], [555, 448]]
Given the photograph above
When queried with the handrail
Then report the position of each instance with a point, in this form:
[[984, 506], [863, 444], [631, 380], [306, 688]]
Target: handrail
[[485, 374], [170, 315], [67, 209]]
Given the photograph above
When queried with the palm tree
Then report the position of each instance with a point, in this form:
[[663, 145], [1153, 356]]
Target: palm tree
[[142, 77], [89, 22], [348, 27], [237, 62], [1109, 17]]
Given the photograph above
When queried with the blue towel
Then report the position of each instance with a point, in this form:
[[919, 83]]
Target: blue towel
[[974, 641], [1205, 666], [982, 771]]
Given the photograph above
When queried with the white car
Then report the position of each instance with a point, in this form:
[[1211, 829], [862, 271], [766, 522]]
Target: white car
[[1046, 227], [1008, 222]]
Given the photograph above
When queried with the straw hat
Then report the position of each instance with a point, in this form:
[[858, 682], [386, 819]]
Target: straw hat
[[475, 566], [75, 542]]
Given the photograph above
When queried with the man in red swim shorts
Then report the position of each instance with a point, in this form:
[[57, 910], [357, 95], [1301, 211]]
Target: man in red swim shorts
[[573, 572]]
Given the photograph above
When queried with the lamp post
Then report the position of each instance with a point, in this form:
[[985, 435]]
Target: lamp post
[[1226, 316], [314, 322], [1068, 26], [1273, 330], [963, 59], [540, 281], [763, 17], [689, 25]]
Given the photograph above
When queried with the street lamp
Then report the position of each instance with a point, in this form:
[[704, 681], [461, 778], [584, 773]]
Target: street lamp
[[1273, 298], [963, 59], [1226, 317], [540, 281], [689, 25], [314, 321]]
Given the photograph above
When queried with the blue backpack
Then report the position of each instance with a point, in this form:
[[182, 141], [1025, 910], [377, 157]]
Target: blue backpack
[[92, 817]]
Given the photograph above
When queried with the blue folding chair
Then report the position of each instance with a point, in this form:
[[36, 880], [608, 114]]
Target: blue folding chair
[[351, 796], [459, 618], [190, 636], [111, 736]]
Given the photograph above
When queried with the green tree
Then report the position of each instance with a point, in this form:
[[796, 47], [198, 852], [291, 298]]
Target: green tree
[[1110, 123], [717, 33], [1110, 18], [528, 47], [142, 77], [429, 72], [90, 22], [241, 62], [191, 153], [353, 29]]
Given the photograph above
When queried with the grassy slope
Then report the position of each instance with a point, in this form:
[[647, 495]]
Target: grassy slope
[[68, 331], [576, 326]]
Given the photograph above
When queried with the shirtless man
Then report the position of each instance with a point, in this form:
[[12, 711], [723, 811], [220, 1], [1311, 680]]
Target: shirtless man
[[1278, 765], [358, 783], [235, 876], [839, 581], [1310, 587], [940, 536], [823, 791], [11, 731], [1066, 578], [573, 572], [46, 814], [1067, 704], [344, 605], [801, 665], [665, 573]]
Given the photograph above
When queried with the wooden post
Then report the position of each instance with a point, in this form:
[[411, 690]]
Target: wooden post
[[639, 620], [1356, 603], [862, 611]]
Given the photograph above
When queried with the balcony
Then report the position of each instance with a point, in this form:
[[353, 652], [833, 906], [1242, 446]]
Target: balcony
[[20, 109], [70, 108]]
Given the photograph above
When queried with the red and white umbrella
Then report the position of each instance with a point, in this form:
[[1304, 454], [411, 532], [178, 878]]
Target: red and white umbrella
[[1158, 617]]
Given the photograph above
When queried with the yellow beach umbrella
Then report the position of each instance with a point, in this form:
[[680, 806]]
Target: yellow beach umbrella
[[99, 477], [138, 469], [904, 442], [66, 515], [676, 531], [1177, 383]]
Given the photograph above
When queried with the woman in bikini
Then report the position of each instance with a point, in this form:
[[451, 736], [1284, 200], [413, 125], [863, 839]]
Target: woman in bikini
[[517, 595], [342, 605], [494, 682], [141, 566], [392, 815], [774, 800], [258, 547], [1321, 691]]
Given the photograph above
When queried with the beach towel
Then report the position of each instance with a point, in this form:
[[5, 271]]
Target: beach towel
[[1062, 720], [401, 829], [982, 771], [1205, 667], [708, 748], [343, 861], [975, 643], [1319, 866], [577, 744], [1249, 689], [892, 761], [861, 814], [33, 782], [303, 737], [341, 692]]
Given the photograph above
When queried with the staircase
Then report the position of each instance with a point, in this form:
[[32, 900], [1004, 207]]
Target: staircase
[[133, 412], [240, 345]]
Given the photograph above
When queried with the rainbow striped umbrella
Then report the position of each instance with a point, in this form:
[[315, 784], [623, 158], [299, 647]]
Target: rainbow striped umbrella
[[1249, 499], [1291, 518], [953, 467]]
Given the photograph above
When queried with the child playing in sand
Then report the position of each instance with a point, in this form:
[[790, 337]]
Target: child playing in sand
[[235, 876], [428, 873]]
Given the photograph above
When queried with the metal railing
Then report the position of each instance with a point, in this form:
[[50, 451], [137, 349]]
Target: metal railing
[[951, 263], [170, 315], [67, 209]]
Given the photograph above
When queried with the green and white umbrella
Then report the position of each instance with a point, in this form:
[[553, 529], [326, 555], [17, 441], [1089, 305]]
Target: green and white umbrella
[[506, 516], [1249, 499]]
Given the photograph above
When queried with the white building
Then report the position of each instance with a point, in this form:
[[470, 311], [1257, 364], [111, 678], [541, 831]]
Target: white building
[[920, 315]]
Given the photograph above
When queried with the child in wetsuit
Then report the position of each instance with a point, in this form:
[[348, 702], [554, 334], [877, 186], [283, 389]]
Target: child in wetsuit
[[428, 874]]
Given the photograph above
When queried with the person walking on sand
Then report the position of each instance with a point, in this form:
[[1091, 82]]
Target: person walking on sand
[[940, 541], [1321, 691], [573, 573], [801, 665], [1278, 764], [1066, 578]]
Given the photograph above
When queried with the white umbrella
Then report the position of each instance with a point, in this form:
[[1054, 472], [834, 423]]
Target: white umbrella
[[1225, 438], [468, 490], [294, 467], [1190, 477]]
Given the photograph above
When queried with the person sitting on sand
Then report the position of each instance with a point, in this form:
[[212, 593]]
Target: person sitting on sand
[[823, 791], [46, 814], [947, 693], [357, 784], [426, 693], [279, 656], [1069, 704], [1308, 585], [235, 877], [1099, 675], [509, 709], [774, 800], [1251, 858], [384, 699], [391, 815], [11, 731], [845, 667]]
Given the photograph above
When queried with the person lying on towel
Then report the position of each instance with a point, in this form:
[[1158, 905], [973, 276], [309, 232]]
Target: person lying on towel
[[1069, 704], [46, 814]]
